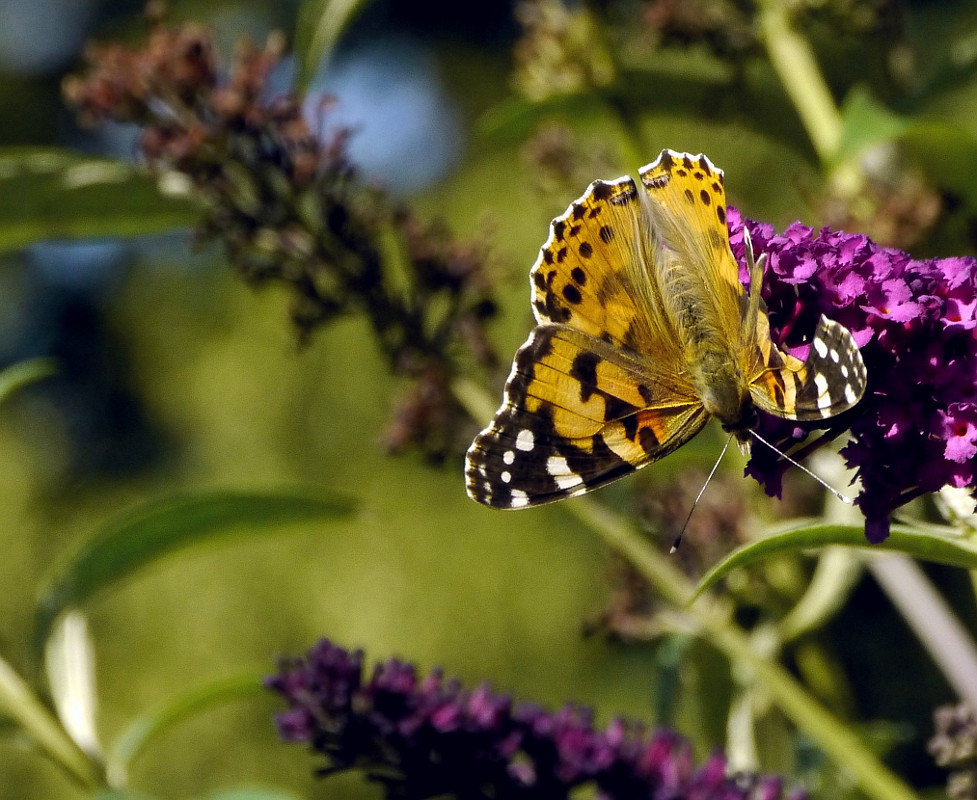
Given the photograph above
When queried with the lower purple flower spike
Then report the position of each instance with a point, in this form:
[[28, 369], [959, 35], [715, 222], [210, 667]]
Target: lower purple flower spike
[[430, 737]]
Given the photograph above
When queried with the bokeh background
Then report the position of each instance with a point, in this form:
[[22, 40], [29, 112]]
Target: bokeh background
[[175, 375]]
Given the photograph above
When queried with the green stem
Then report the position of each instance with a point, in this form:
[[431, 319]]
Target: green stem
[[794, 62], [23, 706], [715, 625], [712, 620]]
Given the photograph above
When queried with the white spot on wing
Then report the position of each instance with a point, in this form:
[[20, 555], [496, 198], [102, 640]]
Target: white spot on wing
[[525, 440], [518, 499], [508, 456], [850, 395], [561, 473], [820, 347], [557, 465], [824, 398], [506, 476]]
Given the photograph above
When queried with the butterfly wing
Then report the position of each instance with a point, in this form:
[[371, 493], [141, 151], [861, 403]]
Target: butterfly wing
[[831, 380], [577, 413], [592, 275], [700, 283]]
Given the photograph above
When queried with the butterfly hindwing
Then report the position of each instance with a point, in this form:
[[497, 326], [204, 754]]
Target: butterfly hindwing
[[577, 414], [831, 380]]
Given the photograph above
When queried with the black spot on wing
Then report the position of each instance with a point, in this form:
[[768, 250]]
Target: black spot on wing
[[617, 409], [647, 439], [601, 190], [584, 369]]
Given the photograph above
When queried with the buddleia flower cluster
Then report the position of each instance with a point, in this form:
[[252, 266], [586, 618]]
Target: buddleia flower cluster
[[289, 207], [915, 430], [428, 736]]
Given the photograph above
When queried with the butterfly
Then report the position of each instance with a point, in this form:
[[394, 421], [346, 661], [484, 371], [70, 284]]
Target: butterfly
[[643, 333]]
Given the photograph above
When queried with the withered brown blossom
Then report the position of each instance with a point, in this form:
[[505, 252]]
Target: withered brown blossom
[[725, 26], [722, 520], [954, 746], [290, 207], [728, 27]]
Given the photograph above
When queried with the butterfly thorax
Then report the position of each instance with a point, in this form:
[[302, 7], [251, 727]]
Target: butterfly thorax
[[722, 387]]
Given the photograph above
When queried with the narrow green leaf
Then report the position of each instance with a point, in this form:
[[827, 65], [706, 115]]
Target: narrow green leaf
[[925, 545], [127, 543], [24, 373], [318, 26], [148, 727], [46, 193], [514, 118]]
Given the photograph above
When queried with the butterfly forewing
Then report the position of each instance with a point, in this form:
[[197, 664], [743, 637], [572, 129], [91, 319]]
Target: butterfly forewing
[[588, 274], [688, 210]]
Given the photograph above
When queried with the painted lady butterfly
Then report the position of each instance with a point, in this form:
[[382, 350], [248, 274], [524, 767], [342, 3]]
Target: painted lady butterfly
[[645, 332]]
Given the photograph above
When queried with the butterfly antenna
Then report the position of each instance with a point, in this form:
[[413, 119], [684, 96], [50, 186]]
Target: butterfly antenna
[[698, 497], [843, 497]]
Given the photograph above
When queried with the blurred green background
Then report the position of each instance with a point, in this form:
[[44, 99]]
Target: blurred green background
[[175, 375]]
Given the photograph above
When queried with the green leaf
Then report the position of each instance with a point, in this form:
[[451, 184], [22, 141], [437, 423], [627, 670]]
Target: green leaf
[[147, 727], [149, 532], [948, 155], [865, 122], [514, 118], [925, 545], [47, 193], [24, 373], [318, 26]]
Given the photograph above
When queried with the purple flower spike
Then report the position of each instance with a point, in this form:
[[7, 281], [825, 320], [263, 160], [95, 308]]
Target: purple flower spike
[[915, 429], [425, 738]]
